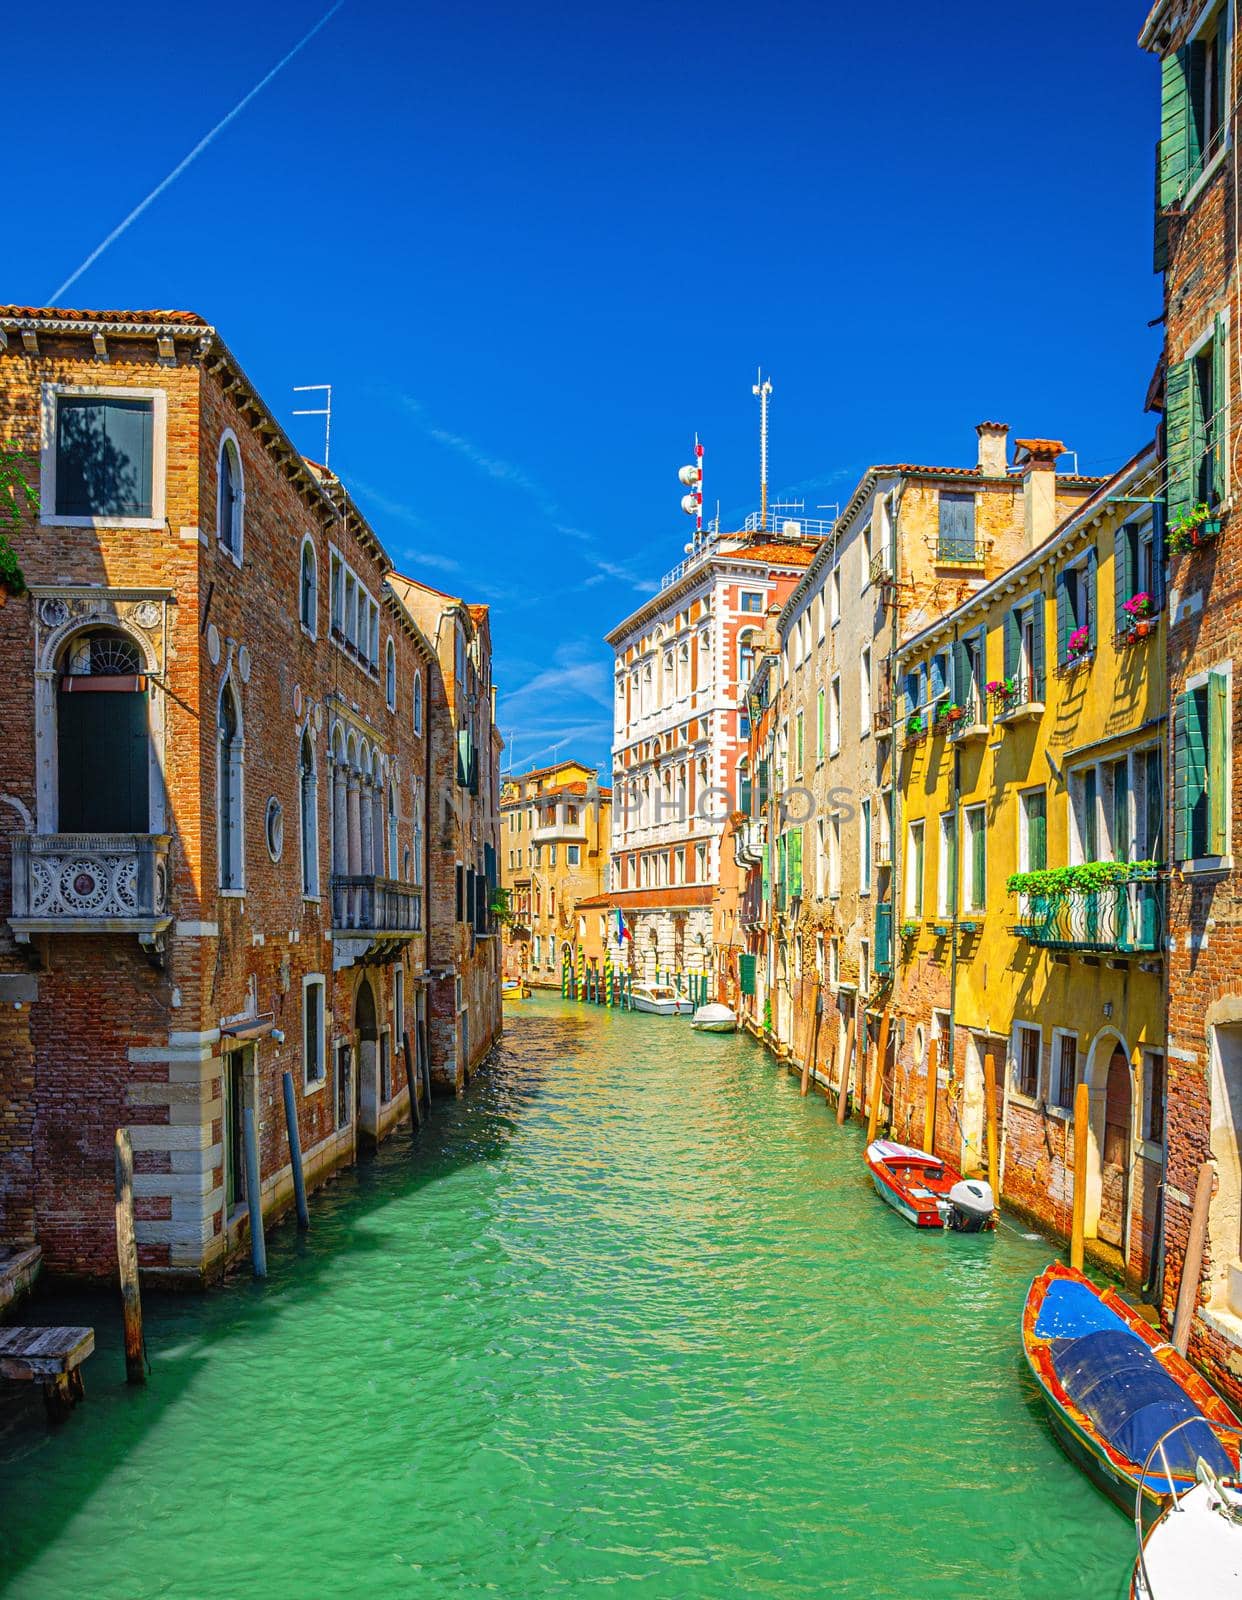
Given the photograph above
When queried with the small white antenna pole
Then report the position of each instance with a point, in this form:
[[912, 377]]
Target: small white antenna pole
[[324, 411], [763, 388]]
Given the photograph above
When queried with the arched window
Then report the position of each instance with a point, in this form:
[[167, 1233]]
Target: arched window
[[418, 702], [392, 829], [229, 787], [308, 594], [390, 674], [415, 873], [743, 786], [309, 798], [232, 497], [103, 741], [746, 656]]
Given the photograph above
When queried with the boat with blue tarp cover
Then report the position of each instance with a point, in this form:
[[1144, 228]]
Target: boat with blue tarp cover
[[1114, 1389]]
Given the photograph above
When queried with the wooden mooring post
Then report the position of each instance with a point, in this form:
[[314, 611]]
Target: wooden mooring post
[[295, 1151], [127, 1260], [254, 1195], [929, 1108], [847, 1057], [416, 1119], [1192, 1262], [877, 1081], [1082, 1102]]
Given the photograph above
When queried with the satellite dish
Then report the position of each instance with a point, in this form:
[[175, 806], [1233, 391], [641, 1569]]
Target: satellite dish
[[690, 476], [688, 548], [690, 504]]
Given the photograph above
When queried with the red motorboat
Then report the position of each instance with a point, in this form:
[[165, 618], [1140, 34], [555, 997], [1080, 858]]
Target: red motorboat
[[928, 1192]]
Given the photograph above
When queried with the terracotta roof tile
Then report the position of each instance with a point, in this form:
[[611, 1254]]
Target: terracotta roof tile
[[190, 319]]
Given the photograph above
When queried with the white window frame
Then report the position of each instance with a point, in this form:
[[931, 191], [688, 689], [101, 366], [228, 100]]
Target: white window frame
[[864, 690], [1054, 1071], [915, 899], [235, 890], [50, 393], [417, 712], [944, 885], [315, 980], [966, 858], [365, 626], [834, 856], [390, 673], [834, 715], [1015, 1059], [834, 595], [866, 843], [1154, 1147]]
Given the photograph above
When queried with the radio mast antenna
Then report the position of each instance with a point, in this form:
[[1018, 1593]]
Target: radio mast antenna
[[325, 411], [763, 388]]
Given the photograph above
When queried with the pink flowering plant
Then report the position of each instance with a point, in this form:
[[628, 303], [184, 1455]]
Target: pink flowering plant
[[1138, 606], [1079, 642]]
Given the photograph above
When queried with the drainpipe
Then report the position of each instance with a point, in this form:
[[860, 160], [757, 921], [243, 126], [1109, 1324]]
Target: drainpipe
[[894, 788]]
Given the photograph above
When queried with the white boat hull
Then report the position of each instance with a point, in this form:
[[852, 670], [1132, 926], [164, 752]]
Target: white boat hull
[[663, 1008], [714, 1018]]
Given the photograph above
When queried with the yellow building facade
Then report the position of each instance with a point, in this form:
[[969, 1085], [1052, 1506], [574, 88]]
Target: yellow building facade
[[1031, 734], [555, 825]]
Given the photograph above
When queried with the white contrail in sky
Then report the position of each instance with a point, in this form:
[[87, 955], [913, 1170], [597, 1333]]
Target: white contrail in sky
[[197, 151]]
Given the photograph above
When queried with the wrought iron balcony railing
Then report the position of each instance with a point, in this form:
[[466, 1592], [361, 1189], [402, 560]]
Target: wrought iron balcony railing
[[962, 550], [91, 883], [368, 905], [1117, 919]]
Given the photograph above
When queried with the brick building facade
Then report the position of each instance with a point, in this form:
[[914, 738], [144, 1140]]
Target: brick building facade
[[224, 758], [1196, 230]]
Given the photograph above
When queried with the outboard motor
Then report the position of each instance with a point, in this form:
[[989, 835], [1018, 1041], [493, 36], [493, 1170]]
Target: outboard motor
[[970, 1205]]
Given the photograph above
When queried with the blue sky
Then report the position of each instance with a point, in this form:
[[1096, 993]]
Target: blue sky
[[534, 248]]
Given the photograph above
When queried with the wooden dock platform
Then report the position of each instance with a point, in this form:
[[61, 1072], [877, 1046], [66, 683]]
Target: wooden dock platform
[[53, 1355]]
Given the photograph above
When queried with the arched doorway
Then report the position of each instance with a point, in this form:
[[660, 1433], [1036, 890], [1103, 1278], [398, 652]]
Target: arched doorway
[[103, 737], [366, 1107], [1115, 1168]]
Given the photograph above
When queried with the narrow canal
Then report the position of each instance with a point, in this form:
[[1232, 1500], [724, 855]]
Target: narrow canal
[[628, 1317]]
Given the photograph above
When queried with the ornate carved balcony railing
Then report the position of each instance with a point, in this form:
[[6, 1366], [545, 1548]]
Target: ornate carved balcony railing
[[748, 840], [383, 907], [91, 883], [1118, 919]]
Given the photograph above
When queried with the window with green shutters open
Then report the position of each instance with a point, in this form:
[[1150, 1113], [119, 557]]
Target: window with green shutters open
[[1202, 764], [1195, 426], [1023, 658], [1076, 611], [1194, 105], [974, 865], [1138, 570], [102, 457]]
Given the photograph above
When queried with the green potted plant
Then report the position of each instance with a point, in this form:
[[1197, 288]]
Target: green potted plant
[[1193, 527], [915, 726], [948, 711], [1138, 610], [16, 497], [909, 930]]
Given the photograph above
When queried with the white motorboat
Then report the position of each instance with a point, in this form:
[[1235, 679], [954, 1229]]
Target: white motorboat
[[714, 1018], [660, 999], [1193, 1551]]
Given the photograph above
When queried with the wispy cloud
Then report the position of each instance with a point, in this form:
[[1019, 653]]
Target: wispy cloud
[[165, 183]]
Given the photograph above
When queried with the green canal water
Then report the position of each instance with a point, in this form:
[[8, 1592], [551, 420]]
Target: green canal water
[[626, 1318]]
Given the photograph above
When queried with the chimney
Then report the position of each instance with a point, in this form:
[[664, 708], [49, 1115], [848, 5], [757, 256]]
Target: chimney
[[1037, 459], [993, 448]]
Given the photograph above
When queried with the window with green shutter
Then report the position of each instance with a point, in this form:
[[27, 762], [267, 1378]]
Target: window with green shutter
[[975, 897], [1218, 763], [956, 533], [104, 456], [1178, 411], [795, 864], [746, 973], [1201, 769]]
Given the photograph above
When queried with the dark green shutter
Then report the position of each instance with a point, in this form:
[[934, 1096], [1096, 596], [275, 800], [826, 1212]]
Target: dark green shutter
[[1193, 58], [978, 864], [103, 762], [1012, 646], [1214, 424], [1037, 833], [1178, 424], [1194, 791], [767, 873], [1038, 663], [1181, 830], [1089, 608], [1174, 122], [937, 675], [795, 864], [1217, 762], [1064, 619], [1160, 232], [1125, 566], [1157, 556], [746, 973], [960, 691]]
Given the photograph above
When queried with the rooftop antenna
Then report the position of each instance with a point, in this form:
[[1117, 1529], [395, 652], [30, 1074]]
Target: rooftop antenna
[[763, 388], [324, 411], [691, 478]]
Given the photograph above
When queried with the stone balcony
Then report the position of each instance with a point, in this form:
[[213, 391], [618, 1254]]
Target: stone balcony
[[91, 883], [372, 917]]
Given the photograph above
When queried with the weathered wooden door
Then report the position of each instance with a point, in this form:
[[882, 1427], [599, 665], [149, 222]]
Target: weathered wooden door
[[1116, 1172]]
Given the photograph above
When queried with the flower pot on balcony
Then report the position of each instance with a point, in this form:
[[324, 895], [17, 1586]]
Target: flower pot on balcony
[[1141, 628]]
